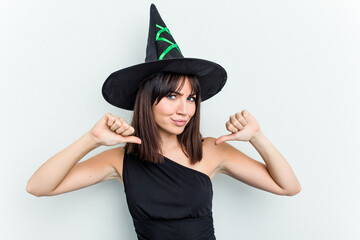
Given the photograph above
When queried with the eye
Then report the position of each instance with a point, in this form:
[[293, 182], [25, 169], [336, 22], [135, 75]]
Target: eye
[[193, 99], [170, 96]]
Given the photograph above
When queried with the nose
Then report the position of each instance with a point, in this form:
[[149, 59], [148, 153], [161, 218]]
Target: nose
[[182, 107]]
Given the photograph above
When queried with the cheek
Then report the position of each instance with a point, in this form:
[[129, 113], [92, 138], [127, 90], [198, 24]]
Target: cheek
[[163, 109], [193, 109]]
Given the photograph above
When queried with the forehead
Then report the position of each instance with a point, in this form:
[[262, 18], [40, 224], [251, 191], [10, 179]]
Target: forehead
[[184, 85]]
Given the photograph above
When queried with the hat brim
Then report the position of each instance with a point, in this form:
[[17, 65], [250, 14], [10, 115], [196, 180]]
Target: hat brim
[[120, 88]]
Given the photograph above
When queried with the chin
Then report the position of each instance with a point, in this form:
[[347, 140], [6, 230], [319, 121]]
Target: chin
[[176, 131], [179, 131], [171, 129]]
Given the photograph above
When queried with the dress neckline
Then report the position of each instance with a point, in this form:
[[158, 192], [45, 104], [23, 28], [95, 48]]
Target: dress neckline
[[196, 171]]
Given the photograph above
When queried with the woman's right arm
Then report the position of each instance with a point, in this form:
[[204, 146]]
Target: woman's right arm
[[54, 170], [61, 173]]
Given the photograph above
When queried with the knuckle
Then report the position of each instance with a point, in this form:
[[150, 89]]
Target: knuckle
[[110, 116]]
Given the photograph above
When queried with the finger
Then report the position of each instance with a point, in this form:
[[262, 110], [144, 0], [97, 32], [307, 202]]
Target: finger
[[117, 123], [132, 139], [124, 127], [224, 138], [109, 119], [231, 127], [241, 119], [246, 114], [236, 123], [128, 132]]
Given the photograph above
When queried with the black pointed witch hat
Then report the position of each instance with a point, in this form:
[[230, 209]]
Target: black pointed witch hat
[[162, 55]]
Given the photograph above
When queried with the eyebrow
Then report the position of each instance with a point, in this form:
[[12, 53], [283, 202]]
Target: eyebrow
[[183, 94]]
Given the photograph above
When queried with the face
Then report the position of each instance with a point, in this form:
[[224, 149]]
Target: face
[[174, 111]]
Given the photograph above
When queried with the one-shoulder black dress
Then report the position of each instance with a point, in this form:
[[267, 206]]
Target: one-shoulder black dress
[[168, 201]]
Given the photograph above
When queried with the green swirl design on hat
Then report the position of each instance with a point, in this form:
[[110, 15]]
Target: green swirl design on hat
[[158, 38]]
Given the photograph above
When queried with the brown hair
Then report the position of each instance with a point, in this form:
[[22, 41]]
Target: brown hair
[[152, 89]]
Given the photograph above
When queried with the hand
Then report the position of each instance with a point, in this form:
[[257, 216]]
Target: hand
[[111, 130], [243, 127]]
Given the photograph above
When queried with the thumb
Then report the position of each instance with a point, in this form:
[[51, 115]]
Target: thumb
[[224, 138], [132, 139]]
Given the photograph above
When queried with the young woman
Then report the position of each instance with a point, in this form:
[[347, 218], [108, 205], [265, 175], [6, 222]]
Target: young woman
[[166, 124], [166, 166]]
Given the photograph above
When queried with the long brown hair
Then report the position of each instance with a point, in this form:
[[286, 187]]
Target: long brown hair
[[152, 89]]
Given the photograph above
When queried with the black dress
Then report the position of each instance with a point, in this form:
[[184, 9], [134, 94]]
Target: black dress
[[168, 201]]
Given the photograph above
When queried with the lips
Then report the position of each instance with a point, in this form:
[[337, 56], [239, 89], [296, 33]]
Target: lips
[[179, 122]]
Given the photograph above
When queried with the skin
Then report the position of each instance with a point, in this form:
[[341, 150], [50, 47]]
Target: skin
[[62, 172]]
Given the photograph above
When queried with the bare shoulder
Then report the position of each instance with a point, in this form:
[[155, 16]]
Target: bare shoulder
[[209, 144], [211, 155], [222, 154]]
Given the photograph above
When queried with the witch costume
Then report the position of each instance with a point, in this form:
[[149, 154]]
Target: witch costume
[[167, 201]]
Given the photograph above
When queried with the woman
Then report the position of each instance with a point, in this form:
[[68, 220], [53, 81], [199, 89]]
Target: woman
[[174, 115], [166, 166]]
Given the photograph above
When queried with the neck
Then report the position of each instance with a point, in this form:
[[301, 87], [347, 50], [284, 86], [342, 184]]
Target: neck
[[169, 142]]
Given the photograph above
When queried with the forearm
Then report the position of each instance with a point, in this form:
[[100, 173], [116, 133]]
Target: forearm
[[276, 164], [54, 170]]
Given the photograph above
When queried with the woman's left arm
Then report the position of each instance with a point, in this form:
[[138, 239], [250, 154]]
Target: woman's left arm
[[276, 164], [244, 127]]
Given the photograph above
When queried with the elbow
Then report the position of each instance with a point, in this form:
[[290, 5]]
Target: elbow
[[30, 190]]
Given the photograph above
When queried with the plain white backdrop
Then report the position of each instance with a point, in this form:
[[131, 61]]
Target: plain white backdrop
[[293, 64]]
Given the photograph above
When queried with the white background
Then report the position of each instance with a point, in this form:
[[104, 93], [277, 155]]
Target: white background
[[293, 64]]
